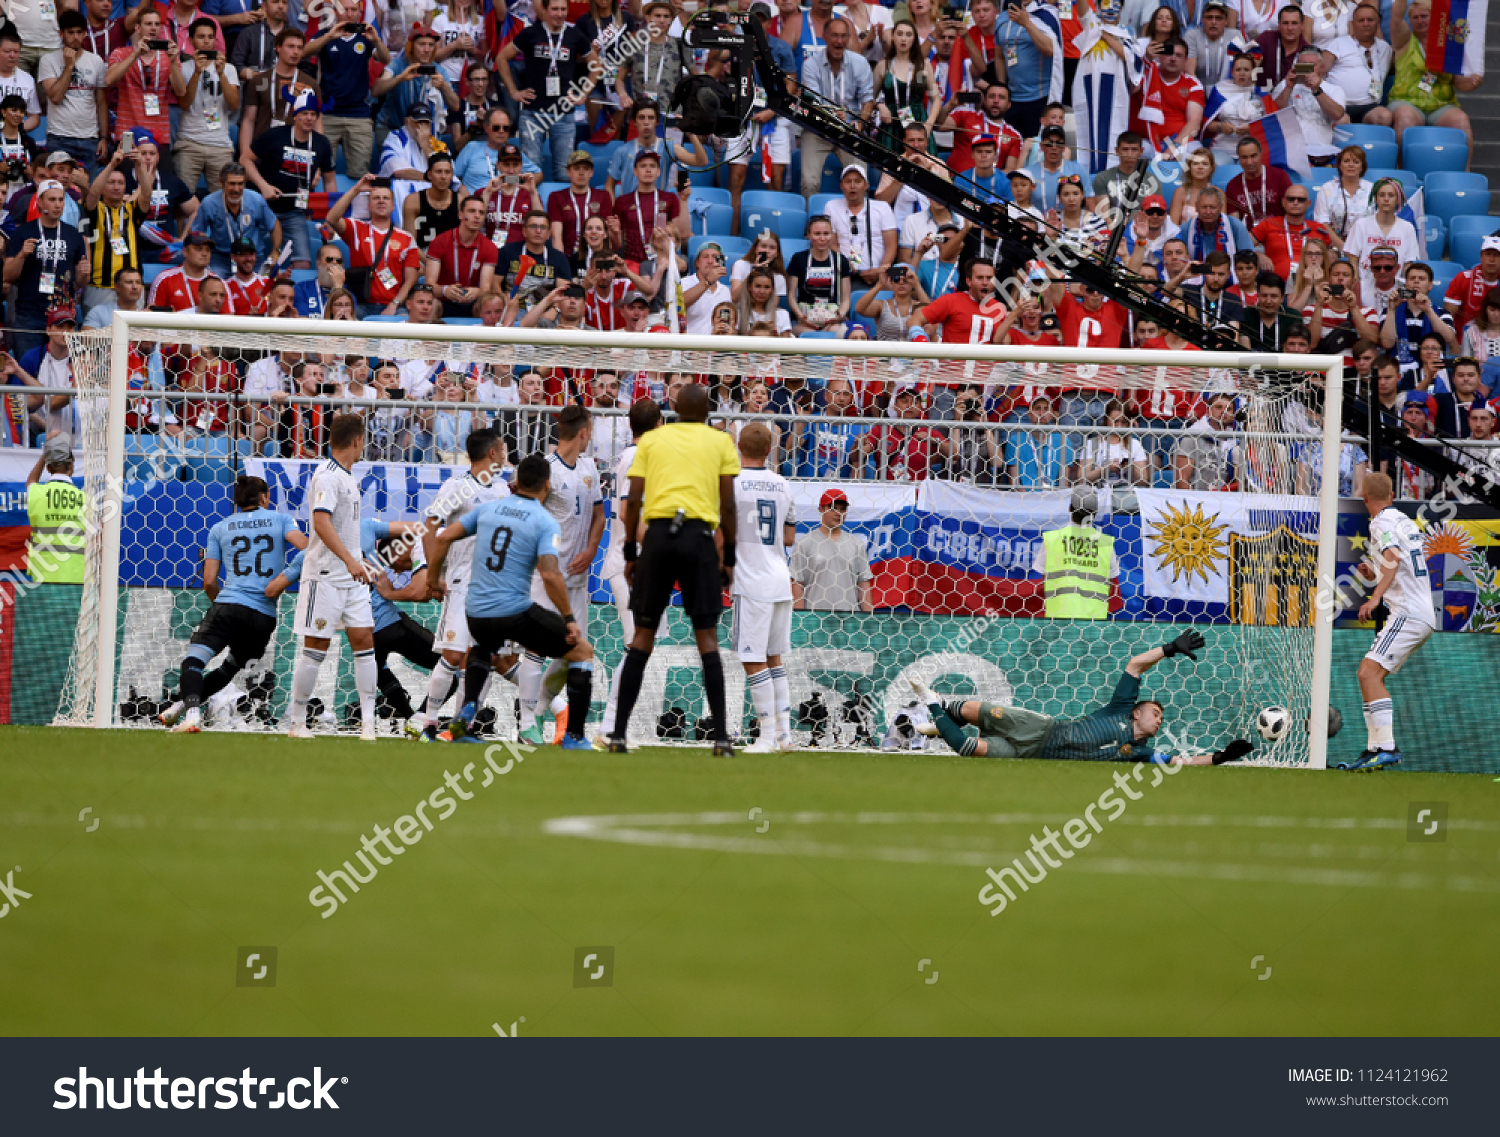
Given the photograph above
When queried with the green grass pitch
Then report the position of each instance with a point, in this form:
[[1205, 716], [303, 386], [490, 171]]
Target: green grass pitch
[[770, 895]]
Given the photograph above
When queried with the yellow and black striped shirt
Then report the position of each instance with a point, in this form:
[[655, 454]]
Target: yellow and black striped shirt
[[109, 225]]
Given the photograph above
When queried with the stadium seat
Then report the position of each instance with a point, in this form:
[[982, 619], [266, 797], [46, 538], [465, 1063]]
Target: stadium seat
[[1380, 153], [1409, 181], [818, 336], [783, 222], [547, 189], [1443, 273], [1170, 176], [712, 193], [1224, 174], [602, 154], [1431, 136], [791, 246], [1450, 203], [734, 248], [301, 274], [1434, 236], [1458, 179], [754, 200], [150, 271], [1423, 158], [818, 203], [345, 183], [384, 319], [1466, 234], [315, 232], [719, 220], [1322, 174], [1361, 133], [463, 321]]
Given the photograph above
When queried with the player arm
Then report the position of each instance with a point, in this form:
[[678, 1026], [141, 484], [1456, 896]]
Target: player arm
[[211, 578], [1387, 564], [324, 528], [585, 558], [415, 590], [555, 584], [1185, 644], [436, 546], [296, 538]]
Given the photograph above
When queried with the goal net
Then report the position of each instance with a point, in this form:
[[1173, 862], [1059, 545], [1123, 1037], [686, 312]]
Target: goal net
[[926, 480]]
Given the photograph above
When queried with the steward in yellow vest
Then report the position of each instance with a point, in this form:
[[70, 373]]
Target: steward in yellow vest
[[57, 511], [1078, 561]]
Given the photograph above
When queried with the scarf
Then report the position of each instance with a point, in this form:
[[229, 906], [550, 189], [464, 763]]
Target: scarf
[[1223, 240]]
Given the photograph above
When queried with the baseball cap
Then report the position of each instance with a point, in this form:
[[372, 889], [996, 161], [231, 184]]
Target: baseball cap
[[1155, 201], [196, 238], [758, 10], [59, 448], [1481, 405], [242, 245], [667, 4], [420, 112], [1054, 132], [1491, 242], [1215, 4], [61, 316], [1420, 399], [714, 245], [634, 296], [1019, 172], [422, 31], [646, 155], [853, 168], [60, 158], [580, 158], [831, 496], [305, 101], [510, 152], [982, 140], [575, 291], [49, 184]]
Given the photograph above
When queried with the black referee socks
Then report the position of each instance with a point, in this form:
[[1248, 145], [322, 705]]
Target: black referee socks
[[632, 671], [713, 687], [580, 695]]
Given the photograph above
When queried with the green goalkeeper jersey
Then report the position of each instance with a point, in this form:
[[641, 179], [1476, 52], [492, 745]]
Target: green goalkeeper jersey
[[1107, 735]]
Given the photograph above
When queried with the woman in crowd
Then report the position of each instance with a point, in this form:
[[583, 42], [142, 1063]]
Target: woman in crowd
[[1254, 16], [870, 30], [922, 16], [757, 302], [1113, 457], [818, 283], [341, 305], [606, 27], [597, 243], [460, 26], [1382, 229], [1310, 271], [765, 252], [893, 315], [904, 82], [432, 211], [1242, 106], [1481, 339], [1197, 175], [1344, 200], [1430, 373], [1163, 25], [1077, 223]]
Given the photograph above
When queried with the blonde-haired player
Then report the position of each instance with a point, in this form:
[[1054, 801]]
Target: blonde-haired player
[[762, 630], [1400, 574]]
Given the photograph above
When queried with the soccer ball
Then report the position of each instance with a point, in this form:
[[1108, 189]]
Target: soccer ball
[[1272, 723]]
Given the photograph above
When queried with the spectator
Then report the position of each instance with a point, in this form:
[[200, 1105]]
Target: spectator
[[268, 98], [1481, 422], [233, 212], [478, 165], [105, 31], [552, 52], [570, 208], [1279, 48], [344, 53], [903, 450], [1472, 288], [1150, 231], [461, 29], [311, 296], [969, 317], [247, 289], [938, 275], [1417, 95], [179, 288], [987, 119], [72, 78], [388, 253], [281, 300], [607, 287], [865, 229], [1358, 63], [645, 209], [1318, 104], [126, 296], [1030, 40], [1201, 462], [1087, 320], [1413, 316], [1452, 406], [254, 47], [1383, 266], [646, 116], [532, 264], [705, 289], [1242, 105], [433, 210], [1310, 271], [288, 160], [1038, 458], [1308, 458], [1213, 44], [525, 427], [661, 64], [1255, 194], [906, 202], [511, 197], [757, 302], [1382, 229], [480, 97], [1282, 238], [404, 153], [828, 444], [1171, 101], [114, 222], [342, 305], [843, 78], [818, 283], [1481, 338], [1417, 413], [48, 268], [1266, 326], [18, 150], [1429, 372], [597, 244], [1111, 184], [460, 264], [905, 82], [1197, 175], [1052, 166], [1078, 225], [1210, 301], [414, 79], [1338, 306], [764, 252], [141, 78], [1344, 200], [1210, 230], [897, 314], [208, 92], [970, 452], [1114, 457], [830, 567]]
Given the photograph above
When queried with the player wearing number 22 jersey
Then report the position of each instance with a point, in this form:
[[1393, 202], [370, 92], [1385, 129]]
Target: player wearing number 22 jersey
[[250, 547]]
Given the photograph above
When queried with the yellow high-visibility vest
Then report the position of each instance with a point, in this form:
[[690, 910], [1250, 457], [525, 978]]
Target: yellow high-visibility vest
[[57, 510], [1078, 566]]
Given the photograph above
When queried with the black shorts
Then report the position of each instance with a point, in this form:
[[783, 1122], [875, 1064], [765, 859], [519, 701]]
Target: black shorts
[[408, 639], [244, 631], [688, 560], [537, 629]]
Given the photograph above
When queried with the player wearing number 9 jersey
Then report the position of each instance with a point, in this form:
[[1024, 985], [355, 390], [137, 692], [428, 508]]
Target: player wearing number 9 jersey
[[1403, 586], [250, 547]]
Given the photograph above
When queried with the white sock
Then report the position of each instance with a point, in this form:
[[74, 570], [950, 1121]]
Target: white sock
[[763, 695], [611, 704], [438, 685], [1379, 730], [783, 700], [365, 673], [530, 683], [559, 703], [304, 680]]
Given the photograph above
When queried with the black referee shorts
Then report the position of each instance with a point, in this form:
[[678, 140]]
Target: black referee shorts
[[408, 639], [688, 560], [537, 629], [244, 631]]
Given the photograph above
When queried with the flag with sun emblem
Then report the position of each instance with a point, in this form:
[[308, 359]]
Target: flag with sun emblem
[[1450, 554]]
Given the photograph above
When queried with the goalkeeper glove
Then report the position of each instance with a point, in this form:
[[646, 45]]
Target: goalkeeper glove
[[1233, 752], [1185, 644]]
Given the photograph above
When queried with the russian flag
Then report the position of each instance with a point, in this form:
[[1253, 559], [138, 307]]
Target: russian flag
[[1455, 37], [1281, 135]]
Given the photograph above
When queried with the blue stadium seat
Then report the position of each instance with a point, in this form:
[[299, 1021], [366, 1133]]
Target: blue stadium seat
[[1322, 174], [301, 274], [602, 154], [1409, 181], [1458, 179], [818, 336], [712, 193], [718, 220], [734, 248], [384, 319], [150, 271], [315, 232], [818, 203], [1170, 175], [1380, 153], [1431, 136], [752, 200], [791, 246], [1224, 174], [1443, 273], [462, 321], [1450, 203], [784, 223], [1361, 133], [1466, 233], [1434, 235], [345, 183], [1423, 158]]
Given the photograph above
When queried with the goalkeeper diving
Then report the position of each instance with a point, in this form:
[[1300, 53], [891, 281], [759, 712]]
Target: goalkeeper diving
[[1119, 731]]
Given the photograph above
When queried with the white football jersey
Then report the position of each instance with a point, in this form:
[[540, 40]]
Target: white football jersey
[[335, 491], [621, 492], [571, 496], [459, 497], [1410, 593], [763, 505]]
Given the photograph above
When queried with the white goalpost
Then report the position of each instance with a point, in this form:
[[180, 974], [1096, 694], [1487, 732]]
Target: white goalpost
[[951, 519]]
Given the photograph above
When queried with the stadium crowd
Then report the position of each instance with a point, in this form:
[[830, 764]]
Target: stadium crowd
[[513, 164]]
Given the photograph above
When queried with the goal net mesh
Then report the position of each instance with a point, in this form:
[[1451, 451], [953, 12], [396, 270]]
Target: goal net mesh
[[953, 470]]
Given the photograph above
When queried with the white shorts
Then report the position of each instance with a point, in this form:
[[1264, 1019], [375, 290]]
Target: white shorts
[[761, 628], [578, 602], [452, 632], [324, 608], [1401, 636], [746, 148]]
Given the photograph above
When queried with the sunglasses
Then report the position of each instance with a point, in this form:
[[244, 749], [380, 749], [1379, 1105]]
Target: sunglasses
[[1295, 200], [841, 506], [333, 260], [1155, 212]]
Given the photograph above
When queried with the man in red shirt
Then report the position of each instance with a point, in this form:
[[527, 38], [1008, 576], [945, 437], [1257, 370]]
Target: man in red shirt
[[1171, 101], [640, 212], [1088, 320], [140, 76], [571, 207], [510, 196], [902, 452], [1282, 238], [177, 288], [1255, 193], [390, 253], [969, 123], [460, 264], [247, 288], [970, 317], [1466, 292]]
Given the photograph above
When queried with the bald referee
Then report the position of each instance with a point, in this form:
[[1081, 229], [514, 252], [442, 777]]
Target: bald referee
[[682, 483]]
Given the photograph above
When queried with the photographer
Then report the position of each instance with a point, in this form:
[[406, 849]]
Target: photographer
[[705, 290], [115, 225], [344, 52], [971, 453], [894, 318], [1413, 318], [208, 91], [414, 79], [17, 148], [140, 76]]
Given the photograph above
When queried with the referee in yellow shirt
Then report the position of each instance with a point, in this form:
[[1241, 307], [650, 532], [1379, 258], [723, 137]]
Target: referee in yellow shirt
[[682, 483]]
